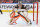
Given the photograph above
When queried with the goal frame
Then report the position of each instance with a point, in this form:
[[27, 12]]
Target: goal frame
[[37, 12]]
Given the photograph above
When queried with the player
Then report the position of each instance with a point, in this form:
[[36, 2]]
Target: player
[[19, 6]]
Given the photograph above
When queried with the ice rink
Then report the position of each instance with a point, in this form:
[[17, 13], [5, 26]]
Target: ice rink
[[4, 20]]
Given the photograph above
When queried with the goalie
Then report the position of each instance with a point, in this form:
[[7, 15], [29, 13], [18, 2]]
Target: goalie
[[19, 6]]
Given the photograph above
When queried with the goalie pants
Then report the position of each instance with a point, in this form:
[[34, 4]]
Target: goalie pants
[[1, 11]]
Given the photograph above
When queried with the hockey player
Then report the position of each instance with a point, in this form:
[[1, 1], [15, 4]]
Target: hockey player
[[19, 6]]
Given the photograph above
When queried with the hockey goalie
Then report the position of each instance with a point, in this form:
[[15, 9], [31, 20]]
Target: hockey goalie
[[18, 15]]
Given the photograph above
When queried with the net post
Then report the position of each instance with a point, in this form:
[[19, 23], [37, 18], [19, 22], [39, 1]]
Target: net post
[[37, 12], [33, 11]]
